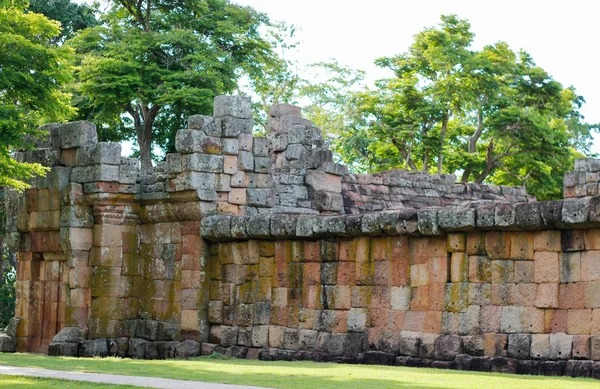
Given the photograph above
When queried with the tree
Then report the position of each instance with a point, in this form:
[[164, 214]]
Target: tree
[[491, 115], [73, 17], [275, 80], [157, 61], [32, 76]]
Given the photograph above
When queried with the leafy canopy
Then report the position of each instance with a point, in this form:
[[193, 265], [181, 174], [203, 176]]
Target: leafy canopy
[[490, 115], [32, 76], [154, 62], [73, 17]]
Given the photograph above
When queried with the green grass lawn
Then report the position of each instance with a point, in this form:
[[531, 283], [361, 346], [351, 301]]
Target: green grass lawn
[[12, 382], [298, 375]]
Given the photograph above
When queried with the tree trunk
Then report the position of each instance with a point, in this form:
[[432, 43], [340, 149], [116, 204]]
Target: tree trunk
[[490, 164], [442, 140], [465, 177], [143, 122], [472, 148], [3, 263], [401, 147], [144, 138]]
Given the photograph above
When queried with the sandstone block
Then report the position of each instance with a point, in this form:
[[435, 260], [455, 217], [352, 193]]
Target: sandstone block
[[560, 346], [468, 322], [547, 295], [540, 346], [581, 347], [77, 134], [519, 346], [497, 244], [456, 297], [473, 345], [572, 240], [524, 272], [202, 163], [579, 321], [401, 297], [90, 173], [495, 344], [276, 336], [456, 218], [511, 320], [307, 339], [447, 347], [591, 294], [595, 348], [410, 343], [207, 124], [476, 243], [576, 211], [589, 269], [459, 267], [546, 267], [234, 106], [262, 198], [521, 245], [93, 348], [103, 153], [547, 241], [261, 147], [321, 181]]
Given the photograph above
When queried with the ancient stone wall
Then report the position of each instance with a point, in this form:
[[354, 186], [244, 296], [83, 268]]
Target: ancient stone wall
[[396, 189], [265, 247], [440, 287]]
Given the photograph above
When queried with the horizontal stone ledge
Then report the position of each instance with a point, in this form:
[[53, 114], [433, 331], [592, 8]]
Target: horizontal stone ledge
[[483, 216]]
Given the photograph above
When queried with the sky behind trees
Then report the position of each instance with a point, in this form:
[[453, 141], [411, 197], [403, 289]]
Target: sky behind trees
[[560, 35]]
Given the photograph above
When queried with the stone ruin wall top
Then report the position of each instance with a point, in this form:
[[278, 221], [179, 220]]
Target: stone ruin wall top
[[227, 170]]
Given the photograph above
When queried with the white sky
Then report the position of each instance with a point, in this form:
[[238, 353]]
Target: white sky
[[561, 36]]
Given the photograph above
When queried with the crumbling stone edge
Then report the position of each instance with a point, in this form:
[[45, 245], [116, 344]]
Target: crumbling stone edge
[[559, 214]]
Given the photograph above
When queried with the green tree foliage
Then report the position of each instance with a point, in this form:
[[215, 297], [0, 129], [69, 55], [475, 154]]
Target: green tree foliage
[[73, 17], [490, 115], [154, 62], [8, 265], [7, 288], [32, 76]]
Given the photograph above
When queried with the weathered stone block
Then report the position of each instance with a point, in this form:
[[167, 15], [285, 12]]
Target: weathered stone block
[[560, 346], [321, 181], [234, 126], [262, 198], [459, 267], [504, 365], [235, 106], [90, 173], [77, 134], [456, 218], [576, 211], [582, 347], [93, 348], [447, 347], [547, 295], [473, 345], [202, 163], [205, 123], [519, 346], [589, 268]]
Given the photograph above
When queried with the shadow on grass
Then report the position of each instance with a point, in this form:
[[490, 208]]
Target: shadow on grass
[[298, 375]]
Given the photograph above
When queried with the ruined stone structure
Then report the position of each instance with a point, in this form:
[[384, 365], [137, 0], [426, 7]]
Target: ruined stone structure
[[265, 247]]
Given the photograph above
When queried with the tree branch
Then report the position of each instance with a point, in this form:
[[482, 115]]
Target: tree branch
[[401, 146]]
